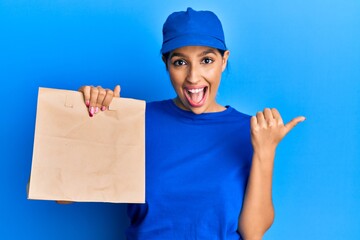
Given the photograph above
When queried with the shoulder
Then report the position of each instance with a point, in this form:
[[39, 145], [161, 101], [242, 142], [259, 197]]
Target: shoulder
[[235, 115], [156, 106], [238, 113], [159, 110]]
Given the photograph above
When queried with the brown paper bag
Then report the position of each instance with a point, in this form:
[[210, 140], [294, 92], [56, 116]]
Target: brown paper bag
[[84, 159]]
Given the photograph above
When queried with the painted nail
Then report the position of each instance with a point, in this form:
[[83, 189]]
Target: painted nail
[[103, 108], [96, 110], [87, 103], [91, 111]]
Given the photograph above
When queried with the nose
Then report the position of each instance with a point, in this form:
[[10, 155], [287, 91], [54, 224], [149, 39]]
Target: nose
[[193, 75]]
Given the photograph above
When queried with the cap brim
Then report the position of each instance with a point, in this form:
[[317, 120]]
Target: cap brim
[[192, 40]]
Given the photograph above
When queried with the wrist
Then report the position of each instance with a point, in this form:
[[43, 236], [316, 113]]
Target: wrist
[[264, 158], [264, 153]]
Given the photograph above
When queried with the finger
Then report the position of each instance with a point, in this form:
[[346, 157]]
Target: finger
[[269, 118], [117, 90], [100, 98], [94, 92], [253, 123], [107, 100], [261, 119], [290, 125], [277, 116], [86, 93]]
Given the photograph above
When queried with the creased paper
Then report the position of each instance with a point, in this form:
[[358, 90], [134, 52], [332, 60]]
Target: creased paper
[[88, 159]]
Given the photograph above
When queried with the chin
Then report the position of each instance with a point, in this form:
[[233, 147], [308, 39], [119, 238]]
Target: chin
[[196, 108], [199, 110]]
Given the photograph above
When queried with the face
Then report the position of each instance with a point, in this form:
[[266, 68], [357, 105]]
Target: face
[[195, 74]]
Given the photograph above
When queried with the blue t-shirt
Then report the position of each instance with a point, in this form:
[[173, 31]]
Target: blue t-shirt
[[197, 168]]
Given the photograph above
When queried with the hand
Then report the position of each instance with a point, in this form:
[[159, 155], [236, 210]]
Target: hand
[[268, 129], [98, 98]]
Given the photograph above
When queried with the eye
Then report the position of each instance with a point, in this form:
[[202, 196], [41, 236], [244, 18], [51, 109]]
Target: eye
[[207, 61], [179, 62]]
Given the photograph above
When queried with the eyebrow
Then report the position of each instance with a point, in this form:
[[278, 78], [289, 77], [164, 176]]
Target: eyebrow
[[177, 54], [207, 52]]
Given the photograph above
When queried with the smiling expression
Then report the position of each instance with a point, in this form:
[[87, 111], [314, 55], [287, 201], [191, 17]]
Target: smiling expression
[[195, 73]]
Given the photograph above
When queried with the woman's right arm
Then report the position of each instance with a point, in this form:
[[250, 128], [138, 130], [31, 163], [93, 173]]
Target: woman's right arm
[[96, 99]]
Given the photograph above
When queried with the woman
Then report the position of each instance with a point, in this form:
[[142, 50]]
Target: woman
[[208, 167]]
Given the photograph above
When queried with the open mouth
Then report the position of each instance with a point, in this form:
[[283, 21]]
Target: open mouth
[[196, 96]]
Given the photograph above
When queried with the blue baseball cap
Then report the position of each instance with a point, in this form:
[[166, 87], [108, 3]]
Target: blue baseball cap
[[192, 28]]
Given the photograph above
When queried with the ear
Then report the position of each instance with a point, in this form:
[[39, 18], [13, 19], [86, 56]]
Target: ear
[[225, 59]]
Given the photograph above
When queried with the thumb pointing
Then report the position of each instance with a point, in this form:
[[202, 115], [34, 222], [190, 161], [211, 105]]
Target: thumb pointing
[[290, 125]]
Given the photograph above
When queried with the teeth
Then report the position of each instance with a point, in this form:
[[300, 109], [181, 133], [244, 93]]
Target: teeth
[[196, 90]]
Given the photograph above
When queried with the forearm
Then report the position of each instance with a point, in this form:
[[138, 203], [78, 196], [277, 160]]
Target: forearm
[[257, 213]]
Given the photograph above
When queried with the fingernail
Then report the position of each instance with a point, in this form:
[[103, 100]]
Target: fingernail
[[87, 103], [96, 110], [91, 111], [103, 108]]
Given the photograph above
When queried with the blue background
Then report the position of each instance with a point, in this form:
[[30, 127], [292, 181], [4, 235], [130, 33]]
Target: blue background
[[302, 57]]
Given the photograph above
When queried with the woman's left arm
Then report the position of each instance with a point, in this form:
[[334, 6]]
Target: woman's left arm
[[257, 215]]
